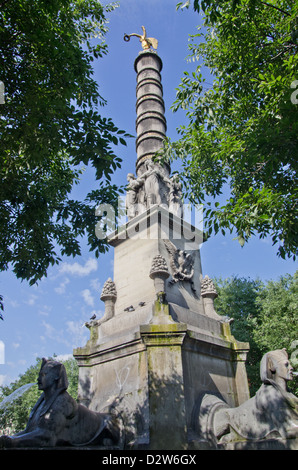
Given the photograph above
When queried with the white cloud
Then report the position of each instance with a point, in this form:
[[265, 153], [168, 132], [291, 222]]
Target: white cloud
[[45, 310], [31, 300], [63, 357], [78, 335], [96, 284], [52, 333], [49, 330], [79, 270], [89, 299], [43, 313], [62, 286]]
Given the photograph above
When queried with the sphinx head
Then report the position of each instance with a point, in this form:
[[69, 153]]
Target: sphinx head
[[275, 368], [52, 375]]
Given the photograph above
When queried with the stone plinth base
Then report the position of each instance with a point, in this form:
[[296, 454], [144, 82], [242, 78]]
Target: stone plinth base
[[266, 444], [161, 345], [193, 447], [153, 374]]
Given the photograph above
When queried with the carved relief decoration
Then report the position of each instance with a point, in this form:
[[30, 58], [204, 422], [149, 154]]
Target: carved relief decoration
[[182, 264], [153, 187]]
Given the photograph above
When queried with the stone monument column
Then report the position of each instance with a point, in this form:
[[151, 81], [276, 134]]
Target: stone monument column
[[160, 345], [151, 124]]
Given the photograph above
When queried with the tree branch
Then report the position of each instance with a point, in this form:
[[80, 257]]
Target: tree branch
[[276, 8], [283, 51]]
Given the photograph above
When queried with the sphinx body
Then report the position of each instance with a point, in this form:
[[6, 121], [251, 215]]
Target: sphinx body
[[271, 414], [58, 420]]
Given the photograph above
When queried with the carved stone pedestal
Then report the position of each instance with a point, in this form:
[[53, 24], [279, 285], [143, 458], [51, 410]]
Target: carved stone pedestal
[[161, 350]]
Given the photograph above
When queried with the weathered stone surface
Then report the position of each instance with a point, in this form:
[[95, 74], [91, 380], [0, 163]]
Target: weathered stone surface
[[160, 361], [57, 419], [147, 236], [272, 414]]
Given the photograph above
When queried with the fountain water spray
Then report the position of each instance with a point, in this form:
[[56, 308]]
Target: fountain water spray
[[16, 394]]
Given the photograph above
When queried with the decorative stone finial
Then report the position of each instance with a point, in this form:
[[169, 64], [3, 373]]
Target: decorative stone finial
[[109, 290], [208, 292], [144, 40], [108, 296], [159, 273], [159, 267], [208, 287]]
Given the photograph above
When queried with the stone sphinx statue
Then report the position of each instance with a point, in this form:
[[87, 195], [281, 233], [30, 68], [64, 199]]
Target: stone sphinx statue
[[271, 414], [58, 420]]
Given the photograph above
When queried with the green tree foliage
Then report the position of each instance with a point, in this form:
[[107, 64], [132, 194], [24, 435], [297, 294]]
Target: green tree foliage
[[242, 131], [238, 299], [14, 417], [265, 315], [277, 322], [50, 129]]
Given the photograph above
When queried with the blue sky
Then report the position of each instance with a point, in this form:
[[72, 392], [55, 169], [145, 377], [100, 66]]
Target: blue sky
[[48, 318]]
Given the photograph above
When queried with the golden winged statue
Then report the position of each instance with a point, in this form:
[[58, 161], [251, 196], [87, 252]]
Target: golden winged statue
[[146, 42]]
